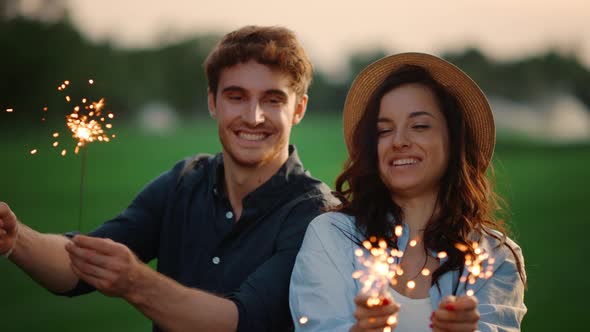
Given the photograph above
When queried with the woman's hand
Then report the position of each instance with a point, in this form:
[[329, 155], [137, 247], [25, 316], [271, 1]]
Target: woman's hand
[[456, 314], [374, 318]]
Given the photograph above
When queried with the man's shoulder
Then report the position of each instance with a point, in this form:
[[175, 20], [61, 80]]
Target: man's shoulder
[[314, 191]]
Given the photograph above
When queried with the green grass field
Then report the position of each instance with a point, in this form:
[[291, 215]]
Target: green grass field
[[546, 187]]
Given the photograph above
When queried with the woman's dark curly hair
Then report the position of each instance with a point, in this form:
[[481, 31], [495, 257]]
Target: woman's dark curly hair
[[466, 200]]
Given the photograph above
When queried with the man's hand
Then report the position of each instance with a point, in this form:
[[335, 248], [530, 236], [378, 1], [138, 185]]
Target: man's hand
[[109, 266], [456, 315], [8, 229]]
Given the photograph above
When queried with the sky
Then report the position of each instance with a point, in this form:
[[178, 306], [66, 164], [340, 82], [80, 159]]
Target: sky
[[331, 29]]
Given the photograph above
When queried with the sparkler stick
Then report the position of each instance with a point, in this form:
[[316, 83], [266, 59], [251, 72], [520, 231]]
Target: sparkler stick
[[82, 176], [86, 126], [478, 266]]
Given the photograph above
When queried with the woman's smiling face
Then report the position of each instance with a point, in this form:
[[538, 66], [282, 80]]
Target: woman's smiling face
[[413, 141]]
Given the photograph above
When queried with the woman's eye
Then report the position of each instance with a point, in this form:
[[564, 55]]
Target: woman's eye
[[421, 126], [381, 132]]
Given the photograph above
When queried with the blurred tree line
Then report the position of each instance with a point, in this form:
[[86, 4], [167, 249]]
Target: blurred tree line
[[38, 55]]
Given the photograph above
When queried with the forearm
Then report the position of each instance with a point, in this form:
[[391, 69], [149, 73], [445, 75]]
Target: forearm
[[175, 307], [44, 258]]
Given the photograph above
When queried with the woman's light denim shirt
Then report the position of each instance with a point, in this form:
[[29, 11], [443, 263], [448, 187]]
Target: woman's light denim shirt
[[322, 288]]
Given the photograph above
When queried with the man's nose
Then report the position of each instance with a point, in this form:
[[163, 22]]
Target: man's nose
[[254, 114]]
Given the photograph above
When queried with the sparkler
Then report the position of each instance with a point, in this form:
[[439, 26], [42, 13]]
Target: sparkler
[[85, 124], [382, 266], [379, 269], [478, 266]]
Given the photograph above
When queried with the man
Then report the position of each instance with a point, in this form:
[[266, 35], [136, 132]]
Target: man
[[225, 228]]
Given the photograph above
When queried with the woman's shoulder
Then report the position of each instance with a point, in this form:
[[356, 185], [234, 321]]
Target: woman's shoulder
[[500, 246], [335, 226], [328, 220]]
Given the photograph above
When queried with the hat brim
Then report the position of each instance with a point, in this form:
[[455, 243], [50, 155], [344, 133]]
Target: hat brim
[[476, 109]]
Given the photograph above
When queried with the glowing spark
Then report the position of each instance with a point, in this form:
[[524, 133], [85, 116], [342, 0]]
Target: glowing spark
[[413, 243], [33, 151], [9, 110], [398, 230], [411, 284], [85, 126], [425, 272], [391, 320], [442, 255], [478, 266], [387, 329], [303, 320], [378, 270]]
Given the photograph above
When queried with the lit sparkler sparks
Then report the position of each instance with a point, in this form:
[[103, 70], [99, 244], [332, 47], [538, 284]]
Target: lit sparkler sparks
[[379, 269], [478, 266], [87, 122]]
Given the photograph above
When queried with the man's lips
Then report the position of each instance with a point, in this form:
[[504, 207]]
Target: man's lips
[[252, 136]]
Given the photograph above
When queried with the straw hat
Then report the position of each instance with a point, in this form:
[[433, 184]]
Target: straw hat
[[476, 109]]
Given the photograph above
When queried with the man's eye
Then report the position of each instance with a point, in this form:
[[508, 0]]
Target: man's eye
[[274, 101], [235, 97]]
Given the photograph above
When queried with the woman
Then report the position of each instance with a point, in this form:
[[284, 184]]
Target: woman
[[420, 136]]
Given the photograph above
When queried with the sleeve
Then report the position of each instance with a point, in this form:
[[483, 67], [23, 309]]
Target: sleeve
[[138, 226], [501, 297], [322, 288], [262, 299]]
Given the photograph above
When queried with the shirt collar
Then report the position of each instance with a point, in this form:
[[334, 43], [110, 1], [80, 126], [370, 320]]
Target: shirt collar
[[274, 187]]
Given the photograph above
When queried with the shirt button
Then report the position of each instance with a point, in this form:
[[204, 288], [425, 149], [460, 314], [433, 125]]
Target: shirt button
[[215, 260], [229, 215]]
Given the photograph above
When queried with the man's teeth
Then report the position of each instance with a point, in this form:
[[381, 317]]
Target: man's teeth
[[251, 137], [401, 162]]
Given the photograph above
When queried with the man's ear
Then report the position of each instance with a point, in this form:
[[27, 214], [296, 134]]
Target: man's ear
[[211, 103], [300, 109]]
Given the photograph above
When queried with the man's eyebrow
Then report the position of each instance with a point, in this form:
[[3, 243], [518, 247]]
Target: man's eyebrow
[[233, 88], [276, 92]]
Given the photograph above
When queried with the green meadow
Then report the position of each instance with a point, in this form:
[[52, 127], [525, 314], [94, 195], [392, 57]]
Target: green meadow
[[546, 186]]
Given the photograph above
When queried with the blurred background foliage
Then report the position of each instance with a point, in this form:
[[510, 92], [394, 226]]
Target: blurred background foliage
[[39, 54], [546, 183]]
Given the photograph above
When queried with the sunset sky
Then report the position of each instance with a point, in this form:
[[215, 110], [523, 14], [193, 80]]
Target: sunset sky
[[329, 28]]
